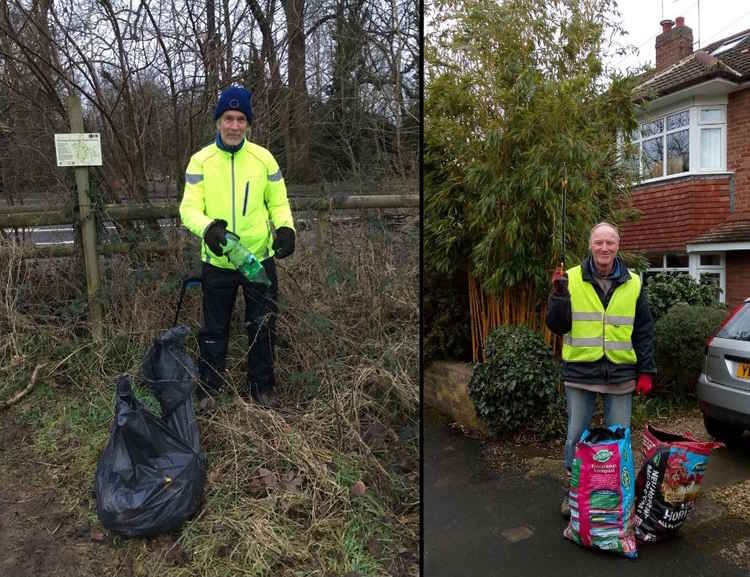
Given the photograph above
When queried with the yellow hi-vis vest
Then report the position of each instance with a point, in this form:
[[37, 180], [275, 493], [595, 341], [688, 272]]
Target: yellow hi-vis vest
[[596, 332]]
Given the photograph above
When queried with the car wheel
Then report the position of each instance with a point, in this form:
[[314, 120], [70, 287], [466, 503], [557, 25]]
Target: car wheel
[[728, 434]]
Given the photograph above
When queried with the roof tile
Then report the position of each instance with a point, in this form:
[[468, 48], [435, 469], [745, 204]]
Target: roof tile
[[732, 64], [736, 228]]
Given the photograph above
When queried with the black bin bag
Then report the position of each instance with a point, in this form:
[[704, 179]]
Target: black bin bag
[[151, 474]]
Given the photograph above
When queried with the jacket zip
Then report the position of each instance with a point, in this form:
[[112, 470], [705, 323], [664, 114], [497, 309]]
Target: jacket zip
[[234, 224], [244, 205], [604, 346]]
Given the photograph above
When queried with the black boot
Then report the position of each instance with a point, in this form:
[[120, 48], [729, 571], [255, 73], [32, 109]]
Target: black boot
[[213, 350], [263, 395], [565, 505]]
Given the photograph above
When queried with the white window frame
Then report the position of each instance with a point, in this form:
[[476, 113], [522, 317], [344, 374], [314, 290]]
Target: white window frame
[[665, 268], [694, 106], [700, 126], [696, 270]]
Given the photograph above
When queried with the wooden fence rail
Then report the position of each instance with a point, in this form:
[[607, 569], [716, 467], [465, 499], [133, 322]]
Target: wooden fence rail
[[30, 216], [27, 216]]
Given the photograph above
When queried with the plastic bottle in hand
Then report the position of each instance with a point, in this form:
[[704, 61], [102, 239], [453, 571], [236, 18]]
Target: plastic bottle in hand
[[244, 260]]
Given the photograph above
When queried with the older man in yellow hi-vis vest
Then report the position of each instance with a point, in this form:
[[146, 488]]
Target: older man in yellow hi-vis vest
[[607, 327], [233, 184]]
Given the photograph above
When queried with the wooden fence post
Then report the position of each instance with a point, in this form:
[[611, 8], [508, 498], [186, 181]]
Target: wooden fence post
[[324, 217], [88, 230]]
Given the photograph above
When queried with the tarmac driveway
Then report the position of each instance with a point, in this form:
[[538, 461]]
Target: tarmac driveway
[[484, 521]]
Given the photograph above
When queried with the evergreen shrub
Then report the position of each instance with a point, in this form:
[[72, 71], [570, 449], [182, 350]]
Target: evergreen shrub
[[666, 289], [680, 346], [516, 388]]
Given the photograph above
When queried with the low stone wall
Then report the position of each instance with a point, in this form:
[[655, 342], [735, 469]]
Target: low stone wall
[[446, 389]]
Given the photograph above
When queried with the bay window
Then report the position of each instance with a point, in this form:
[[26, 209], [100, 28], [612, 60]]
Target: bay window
[[664, 142]]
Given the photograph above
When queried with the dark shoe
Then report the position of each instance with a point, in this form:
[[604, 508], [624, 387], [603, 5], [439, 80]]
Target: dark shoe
[[565, 507], [264, 398], [205, 389], [206, 404]]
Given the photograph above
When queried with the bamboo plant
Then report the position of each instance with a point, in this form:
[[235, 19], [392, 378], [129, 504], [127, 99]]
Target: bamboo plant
[[519, 105]]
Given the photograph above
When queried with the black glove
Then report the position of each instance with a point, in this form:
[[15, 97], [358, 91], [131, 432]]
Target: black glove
[[560, 283], [283, 244], [216, 235]]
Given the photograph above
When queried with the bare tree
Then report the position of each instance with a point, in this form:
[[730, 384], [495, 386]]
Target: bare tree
[[334, 84]]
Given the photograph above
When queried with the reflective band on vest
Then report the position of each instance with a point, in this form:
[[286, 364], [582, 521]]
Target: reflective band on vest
[[597, 332]]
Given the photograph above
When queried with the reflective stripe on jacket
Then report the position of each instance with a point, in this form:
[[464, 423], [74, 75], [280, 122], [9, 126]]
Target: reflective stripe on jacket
[[597, 332], [245, 188]]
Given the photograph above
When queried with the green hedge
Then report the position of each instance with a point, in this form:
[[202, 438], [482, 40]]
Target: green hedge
[[679, 346]]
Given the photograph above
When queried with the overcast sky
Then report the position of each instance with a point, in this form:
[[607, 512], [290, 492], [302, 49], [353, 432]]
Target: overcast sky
[[718, 19]]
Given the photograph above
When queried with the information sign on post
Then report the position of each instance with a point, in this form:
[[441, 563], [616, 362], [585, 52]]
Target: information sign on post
[[78, 149]]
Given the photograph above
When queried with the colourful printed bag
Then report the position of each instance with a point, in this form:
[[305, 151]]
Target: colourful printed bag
[[668, 482], [601, 492]]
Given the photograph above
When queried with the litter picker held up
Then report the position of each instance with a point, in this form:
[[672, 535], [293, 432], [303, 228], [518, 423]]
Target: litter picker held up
[[562, 220]]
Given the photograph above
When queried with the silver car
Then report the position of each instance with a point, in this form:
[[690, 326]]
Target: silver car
[[724, 385]]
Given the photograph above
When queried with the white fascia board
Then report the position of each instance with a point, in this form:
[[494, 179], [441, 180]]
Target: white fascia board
[[718, 246]]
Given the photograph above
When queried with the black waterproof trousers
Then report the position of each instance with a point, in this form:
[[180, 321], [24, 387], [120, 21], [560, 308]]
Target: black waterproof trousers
[[219, 293]]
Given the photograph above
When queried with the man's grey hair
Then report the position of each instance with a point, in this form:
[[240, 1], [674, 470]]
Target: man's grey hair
[[600, 225]]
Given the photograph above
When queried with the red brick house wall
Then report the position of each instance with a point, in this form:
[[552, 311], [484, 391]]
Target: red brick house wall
[[738, 277], [675, 211], [738, 145]]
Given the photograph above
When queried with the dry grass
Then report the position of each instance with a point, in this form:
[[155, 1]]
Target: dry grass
[[277, 500]]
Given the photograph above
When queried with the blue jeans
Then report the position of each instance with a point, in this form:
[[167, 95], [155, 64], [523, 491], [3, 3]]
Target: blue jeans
[[581, 403]]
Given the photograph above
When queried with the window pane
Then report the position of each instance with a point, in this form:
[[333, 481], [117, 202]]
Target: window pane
[[678, 154], [713, 279], [632, 167], [652, 158], [629, 157], [651, 128], [655, 260], [710, 115], [678, 120], [710, 147], [677, 261], [710, 260]]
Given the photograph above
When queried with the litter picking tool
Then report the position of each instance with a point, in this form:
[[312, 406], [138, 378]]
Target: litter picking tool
[[562, 220], [187, 282]]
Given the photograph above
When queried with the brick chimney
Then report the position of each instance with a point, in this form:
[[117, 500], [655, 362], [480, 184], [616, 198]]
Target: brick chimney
[[674, 43]]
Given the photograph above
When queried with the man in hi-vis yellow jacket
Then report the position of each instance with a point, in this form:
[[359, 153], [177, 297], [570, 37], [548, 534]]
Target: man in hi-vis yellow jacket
[[234, 184], [608, 341]]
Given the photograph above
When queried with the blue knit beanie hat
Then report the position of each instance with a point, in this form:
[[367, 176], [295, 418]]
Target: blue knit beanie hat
[[234, 98]]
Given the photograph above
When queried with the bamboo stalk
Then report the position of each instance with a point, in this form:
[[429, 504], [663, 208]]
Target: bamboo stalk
[[516, 306]]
